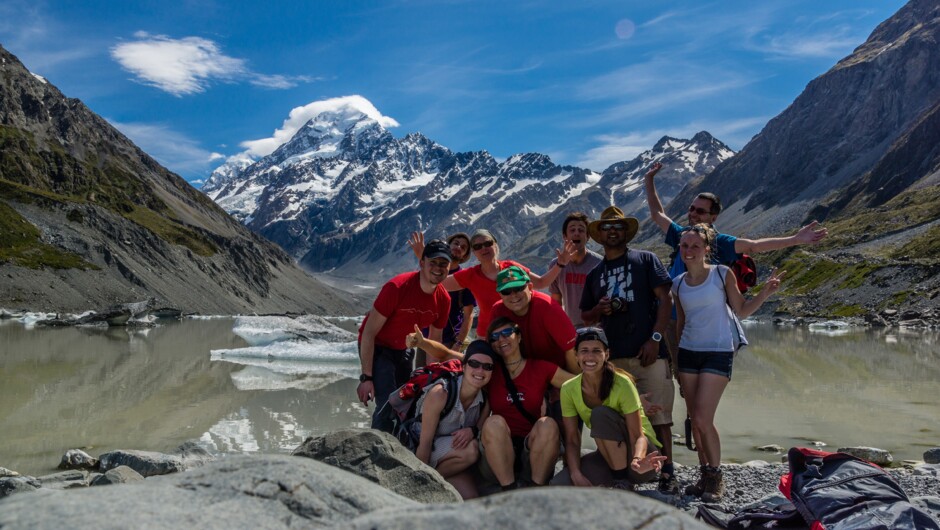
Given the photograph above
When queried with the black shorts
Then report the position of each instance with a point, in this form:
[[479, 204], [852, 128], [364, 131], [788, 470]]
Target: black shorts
[[705, 362]]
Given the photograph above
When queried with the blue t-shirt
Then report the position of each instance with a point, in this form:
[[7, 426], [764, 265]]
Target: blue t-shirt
[[632, 278], [724, 252]]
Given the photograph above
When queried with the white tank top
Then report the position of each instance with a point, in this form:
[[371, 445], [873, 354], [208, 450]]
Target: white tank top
[[707, 315]]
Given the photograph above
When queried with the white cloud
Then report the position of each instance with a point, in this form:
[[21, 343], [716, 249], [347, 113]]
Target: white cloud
[[617, 148], [188, 65], [300, 115], [174, 150]]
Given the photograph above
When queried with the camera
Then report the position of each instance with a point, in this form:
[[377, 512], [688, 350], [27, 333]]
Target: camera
[[618, 304]]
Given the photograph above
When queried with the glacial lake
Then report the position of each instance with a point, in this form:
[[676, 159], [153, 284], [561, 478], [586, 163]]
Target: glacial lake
[[153, 389]]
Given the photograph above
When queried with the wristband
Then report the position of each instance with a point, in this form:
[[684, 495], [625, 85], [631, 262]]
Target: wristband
[[560, 266]]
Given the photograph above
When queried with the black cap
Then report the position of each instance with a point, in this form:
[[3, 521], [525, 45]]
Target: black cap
[[436, 249], [479, 346], [585, 334]]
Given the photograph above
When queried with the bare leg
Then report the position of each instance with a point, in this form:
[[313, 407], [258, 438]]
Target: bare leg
[[543, 449], [616, 457], [458, 460], [664, 434], [708, 394], [689, 388], [465, 485], [499, 452]]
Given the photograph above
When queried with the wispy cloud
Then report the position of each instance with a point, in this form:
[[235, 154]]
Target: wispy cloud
[[189, 65], [174, 150], [832, 42]]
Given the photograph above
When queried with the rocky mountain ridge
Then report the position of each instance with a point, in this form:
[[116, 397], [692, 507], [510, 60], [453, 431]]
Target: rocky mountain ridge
[[343, 195], [89, 220]]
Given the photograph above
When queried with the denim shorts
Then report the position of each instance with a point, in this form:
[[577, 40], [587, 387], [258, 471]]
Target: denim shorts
[[709, 362]]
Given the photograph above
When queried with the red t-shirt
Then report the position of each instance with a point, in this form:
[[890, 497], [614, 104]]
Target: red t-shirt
[[531, 384], [402, 302], [484, 290], [547, 332]]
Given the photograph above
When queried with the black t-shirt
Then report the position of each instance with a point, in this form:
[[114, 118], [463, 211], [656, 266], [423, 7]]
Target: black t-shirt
[[632, 278]]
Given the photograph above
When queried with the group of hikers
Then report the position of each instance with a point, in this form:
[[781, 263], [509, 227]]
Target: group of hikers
[[599, 352]]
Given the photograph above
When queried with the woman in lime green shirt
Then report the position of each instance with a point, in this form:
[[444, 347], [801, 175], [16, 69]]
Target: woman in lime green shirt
[[607, 401]]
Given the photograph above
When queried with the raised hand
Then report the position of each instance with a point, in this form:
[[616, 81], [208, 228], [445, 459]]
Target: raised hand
[[773, 283], [417, 243], [413, 340], [654, 169], [565, 254], [810, 235]]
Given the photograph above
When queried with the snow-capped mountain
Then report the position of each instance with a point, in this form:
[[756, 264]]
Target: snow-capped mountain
[[344, 193]]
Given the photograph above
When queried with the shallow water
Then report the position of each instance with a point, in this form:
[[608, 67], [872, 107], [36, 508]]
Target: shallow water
[[155, 389]]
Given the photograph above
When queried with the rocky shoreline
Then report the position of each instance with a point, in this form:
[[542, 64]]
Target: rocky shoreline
[[356, 478]]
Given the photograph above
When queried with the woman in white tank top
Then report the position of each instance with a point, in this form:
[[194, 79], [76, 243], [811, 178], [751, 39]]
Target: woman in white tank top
[[705, 295]]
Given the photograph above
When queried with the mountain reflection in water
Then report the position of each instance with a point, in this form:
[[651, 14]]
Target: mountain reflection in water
[[154, 389]]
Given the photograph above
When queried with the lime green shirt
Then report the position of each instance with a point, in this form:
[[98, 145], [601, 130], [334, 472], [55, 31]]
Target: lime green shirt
[[623, 398]]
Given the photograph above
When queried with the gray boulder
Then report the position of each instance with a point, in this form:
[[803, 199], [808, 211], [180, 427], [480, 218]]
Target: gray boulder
[[78, 459], [18, 484], [118, 475], [872, 454], [147, 463], [379, 457], [4, 472], [932, 456], [554, 507], [928, 470], [193, 455], [63, 480], [235, 492]]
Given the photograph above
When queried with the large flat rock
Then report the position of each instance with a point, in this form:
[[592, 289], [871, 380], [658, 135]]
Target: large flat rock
[[236, 492]]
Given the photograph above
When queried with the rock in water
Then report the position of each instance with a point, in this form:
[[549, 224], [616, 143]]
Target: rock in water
[[554, 507], [118, 475], [18, 484], [237, 492], [872, 454], [146, 463], [932, 456], [78, 459], [63, 480], [379, 457]]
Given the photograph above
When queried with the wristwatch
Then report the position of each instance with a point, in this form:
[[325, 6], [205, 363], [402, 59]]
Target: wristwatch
[[657, 336], [363, 378]]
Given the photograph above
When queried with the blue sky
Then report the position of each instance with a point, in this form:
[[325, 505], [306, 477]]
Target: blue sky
[[587, 82]]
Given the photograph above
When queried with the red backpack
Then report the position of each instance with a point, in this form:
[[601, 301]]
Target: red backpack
[[400, 414], [745, 270]]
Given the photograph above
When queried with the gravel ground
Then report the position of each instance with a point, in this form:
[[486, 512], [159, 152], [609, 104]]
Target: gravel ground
[[747, 483]]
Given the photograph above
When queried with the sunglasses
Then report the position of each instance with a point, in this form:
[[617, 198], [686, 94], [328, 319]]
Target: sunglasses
[[480, 246], [506, 333], [613, 226], [700, 211], [473, 363], [514, 290]]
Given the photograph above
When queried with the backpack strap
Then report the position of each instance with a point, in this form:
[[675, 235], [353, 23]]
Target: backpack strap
[[514, 394]]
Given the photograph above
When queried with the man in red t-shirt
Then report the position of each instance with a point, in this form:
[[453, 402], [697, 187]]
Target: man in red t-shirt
[[407, 300], [547, 332]]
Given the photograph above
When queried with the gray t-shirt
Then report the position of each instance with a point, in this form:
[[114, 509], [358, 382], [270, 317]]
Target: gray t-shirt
[[570, 283]]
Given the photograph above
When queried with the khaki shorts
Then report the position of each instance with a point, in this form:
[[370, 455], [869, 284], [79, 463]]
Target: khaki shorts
[[655, 380]]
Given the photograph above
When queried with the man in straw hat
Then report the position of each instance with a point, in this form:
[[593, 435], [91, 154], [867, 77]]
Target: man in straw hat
[[628, 295]]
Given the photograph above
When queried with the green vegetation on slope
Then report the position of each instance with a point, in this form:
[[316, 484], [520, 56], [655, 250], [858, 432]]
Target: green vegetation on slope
[[51, 176], [20, 244]]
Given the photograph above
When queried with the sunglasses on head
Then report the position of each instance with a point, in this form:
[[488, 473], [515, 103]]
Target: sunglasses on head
[[479, 246], [473, 363], [506, 333], [700, 211], [620, 227], [513, 290]]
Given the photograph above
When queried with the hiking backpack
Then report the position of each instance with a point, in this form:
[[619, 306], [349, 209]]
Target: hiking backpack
[[839, 491], [400, 415], [745, 271]]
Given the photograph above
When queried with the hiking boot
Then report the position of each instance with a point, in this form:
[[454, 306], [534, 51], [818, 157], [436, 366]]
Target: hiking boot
[[698, 488], [668, 484], [623, 484], [714, 485]]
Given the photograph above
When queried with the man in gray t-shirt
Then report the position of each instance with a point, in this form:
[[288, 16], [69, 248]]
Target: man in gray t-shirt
[[567, 287]]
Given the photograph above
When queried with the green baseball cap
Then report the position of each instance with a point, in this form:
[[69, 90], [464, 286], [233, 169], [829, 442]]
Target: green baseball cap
[[511, 277]]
